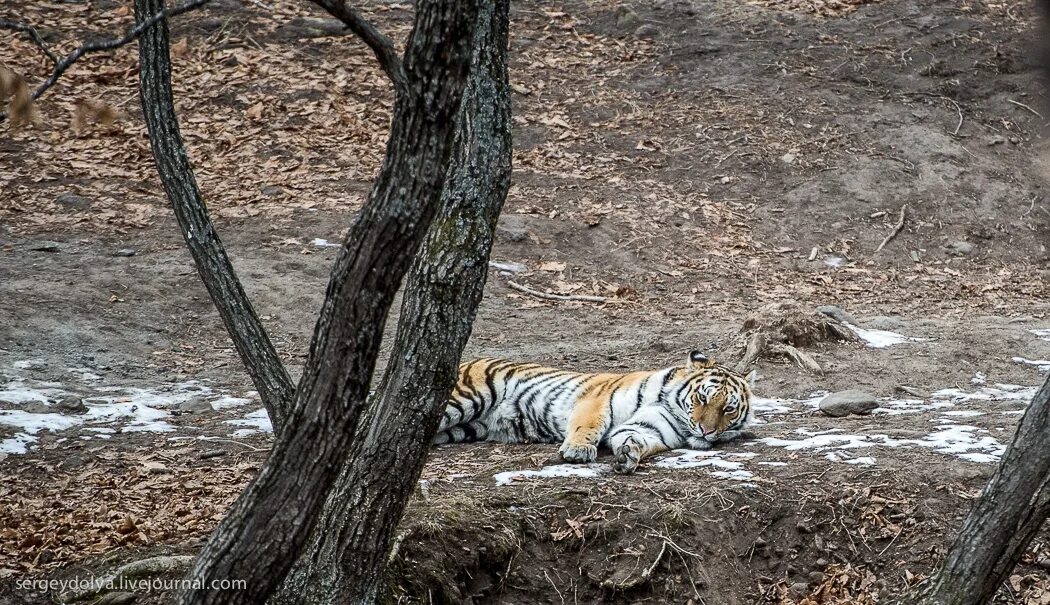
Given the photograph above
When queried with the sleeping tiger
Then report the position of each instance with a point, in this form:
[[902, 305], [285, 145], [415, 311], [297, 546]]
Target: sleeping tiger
[[635, 415]]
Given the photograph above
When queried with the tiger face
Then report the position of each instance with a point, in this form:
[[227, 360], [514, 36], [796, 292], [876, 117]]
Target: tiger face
[[718, 400]]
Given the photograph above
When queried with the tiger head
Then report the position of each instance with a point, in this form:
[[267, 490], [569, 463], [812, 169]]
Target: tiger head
[[717, 399]]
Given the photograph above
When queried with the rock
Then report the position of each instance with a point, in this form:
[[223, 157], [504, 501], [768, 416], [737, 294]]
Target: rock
[[511, 228], [837, 314], [882, 322], [996, 140], [845, 403], [799, 589], [625, 17], [816, 576], [73, 200], [47, 246], [125, 252], [196, 404], [72, 405], [647, 31], [959, 248]]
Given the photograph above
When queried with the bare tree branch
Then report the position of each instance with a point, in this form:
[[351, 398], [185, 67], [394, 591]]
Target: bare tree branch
[[33, 35], [95, 45], [382, 46]]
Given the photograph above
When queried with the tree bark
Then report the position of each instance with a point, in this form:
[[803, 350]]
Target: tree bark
[[242, 323], [259, 539], [346, 556], [1006, 517]]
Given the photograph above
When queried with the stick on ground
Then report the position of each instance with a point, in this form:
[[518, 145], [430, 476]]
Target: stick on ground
[[896, 230], [562, 297]]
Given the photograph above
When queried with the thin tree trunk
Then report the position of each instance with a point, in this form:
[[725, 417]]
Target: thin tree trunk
[[241, 321], [1004, 520], [263, 533], [346, 557]]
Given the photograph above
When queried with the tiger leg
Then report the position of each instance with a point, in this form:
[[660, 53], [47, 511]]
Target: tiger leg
[[587, 423], [639, 438]]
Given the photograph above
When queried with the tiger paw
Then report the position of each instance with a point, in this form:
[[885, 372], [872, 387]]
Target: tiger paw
[[625, 459], [578, 453]]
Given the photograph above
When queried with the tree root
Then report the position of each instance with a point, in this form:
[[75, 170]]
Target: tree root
[[122, 578]]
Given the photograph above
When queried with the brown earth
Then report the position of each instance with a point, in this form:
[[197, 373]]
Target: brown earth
[[686, 159]]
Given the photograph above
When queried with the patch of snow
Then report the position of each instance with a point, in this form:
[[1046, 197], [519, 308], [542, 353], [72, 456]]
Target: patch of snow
[[17, 393], [695, 459], [30, 424], [734, 475], [772, 463], [979, 378], [951, 439], [880, 339], [1042, 364], [255, 422], [863, 461], [555, 470], [834, 261], [26, 364], [963, 413], [1042, 333], [226, 402], [997, 392], [85, 374], [323, 243]]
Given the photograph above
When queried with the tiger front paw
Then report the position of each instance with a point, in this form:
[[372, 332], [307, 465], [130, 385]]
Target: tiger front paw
[[578, 453], [626, 459]]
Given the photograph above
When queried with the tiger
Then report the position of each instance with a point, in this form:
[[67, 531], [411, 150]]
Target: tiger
[[635, 415]]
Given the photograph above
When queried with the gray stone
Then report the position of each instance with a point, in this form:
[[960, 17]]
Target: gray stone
[[845, 403], [625, 17], [47, 246], [271, 191], [800, 589], [837, 314], [647, 31], [73, 200], [125, 252], [72, 405], [196, 404], [511, 228], [959, 248], [313, 27]]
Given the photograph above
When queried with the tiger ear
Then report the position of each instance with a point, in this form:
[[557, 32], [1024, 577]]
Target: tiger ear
[[751, 377], [697, 360]]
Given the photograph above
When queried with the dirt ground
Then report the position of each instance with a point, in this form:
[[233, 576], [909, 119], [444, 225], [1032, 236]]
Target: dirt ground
[[693, 161]]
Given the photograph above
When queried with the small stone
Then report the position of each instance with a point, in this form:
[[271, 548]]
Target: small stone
[[73, 200], [996, 140], [47, 247], [72, 405], [625, 17], [270, 191], [788, 158], [959, 248], [816, 576], [196, 404], [125, 252], [849, 402], [799, 589], [837, 314], [647, 31]]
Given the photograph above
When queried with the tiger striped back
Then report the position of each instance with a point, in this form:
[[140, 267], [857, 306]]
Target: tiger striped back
[[635, 414]]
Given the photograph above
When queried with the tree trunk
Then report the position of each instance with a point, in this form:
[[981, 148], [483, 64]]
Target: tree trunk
[[346, 556], [266, 528], [242, 323], [1007, 516]]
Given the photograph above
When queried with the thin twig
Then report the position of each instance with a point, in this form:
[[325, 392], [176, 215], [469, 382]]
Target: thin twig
[[896, 230], [1020, 104], [100, 45], [381, 45], [565, 297], [33, 35]]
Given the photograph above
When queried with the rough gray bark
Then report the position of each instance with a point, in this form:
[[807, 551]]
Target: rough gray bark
[[1004, 520], [264, 531], [346, 556], [242, 323]]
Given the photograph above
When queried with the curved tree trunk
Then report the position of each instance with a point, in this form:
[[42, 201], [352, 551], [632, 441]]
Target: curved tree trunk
[[346, 557], [1000, 526], [242, 322], [263, 533]]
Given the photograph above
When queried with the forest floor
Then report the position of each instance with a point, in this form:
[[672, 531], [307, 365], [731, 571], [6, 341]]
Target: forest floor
[[692, 160]]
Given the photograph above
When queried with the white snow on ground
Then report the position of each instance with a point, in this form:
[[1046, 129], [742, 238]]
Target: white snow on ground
[[555, 470], [1042, 333], [1042, 364], [256, 422], [120, 408], [695, 459], [964, 441], [323, 243], [880, 339]]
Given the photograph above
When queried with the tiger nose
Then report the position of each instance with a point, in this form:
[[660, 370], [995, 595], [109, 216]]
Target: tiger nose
[[705, 431]]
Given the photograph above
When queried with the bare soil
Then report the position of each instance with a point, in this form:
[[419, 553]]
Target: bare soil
[[693, 161]]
